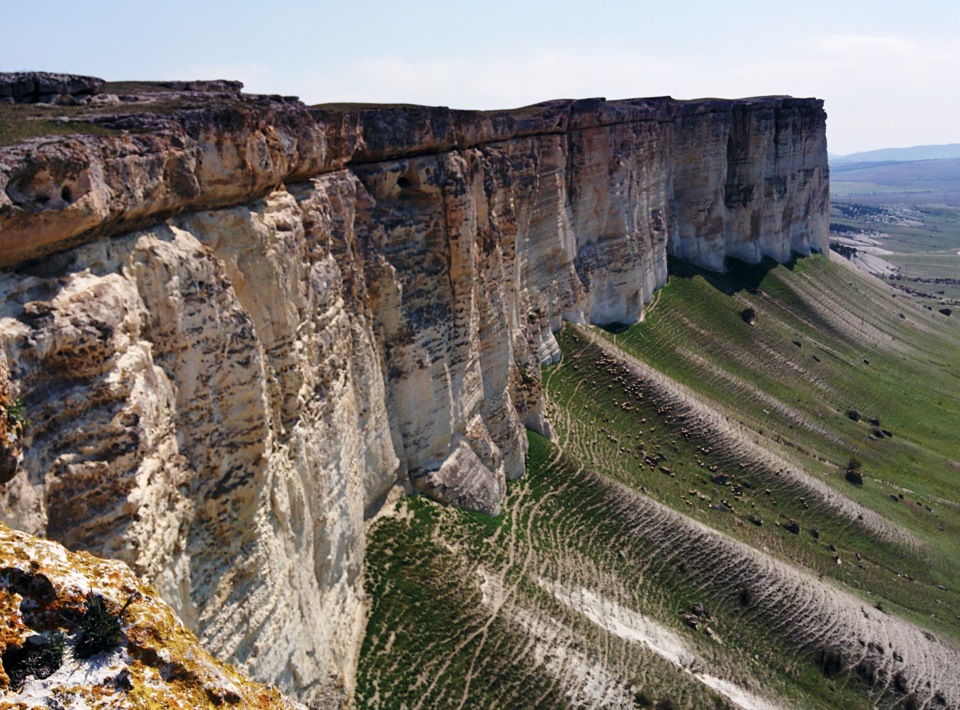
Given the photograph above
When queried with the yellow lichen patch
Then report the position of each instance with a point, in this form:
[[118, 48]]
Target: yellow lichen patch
[[158, 662]]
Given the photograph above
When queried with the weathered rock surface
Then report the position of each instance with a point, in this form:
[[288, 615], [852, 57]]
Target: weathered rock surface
[[44, 593], [214, 419], [299, 309], [11, 427], [746, 185], [44, 87]]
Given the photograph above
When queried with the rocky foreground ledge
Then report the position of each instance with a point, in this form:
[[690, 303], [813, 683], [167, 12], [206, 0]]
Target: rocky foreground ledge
[[81, 632], [237, 324]]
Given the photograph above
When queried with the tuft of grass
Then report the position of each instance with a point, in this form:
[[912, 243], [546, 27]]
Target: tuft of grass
[[99, 629], [17, 414], [56, 649]]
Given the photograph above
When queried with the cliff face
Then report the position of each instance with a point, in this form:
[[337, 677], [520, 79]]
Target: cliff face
[[237, 327], [749, 183]]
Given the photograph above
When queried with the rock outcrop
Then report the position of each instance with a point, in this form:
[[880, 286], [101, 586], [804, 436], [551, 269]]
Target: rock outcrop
[[11, 426], [237, 326], [45, 87], [59, 609]]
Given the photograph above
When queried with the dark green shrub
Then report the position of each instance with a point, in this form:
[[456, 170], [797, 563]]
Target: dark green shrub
[[58, 644], [642, 700], [99, 629]]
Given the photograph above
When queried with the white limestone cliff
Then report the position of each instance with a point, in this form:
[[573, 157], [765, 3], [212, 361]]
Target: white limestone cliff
[[221, 396]]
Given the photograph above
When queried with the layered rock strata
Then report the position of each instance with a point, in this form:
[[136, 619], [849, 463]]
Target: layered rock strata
[[236, 326]]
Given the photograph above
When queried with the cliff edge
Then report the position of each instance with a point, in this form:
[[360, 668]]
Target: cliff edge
[[237, 323]]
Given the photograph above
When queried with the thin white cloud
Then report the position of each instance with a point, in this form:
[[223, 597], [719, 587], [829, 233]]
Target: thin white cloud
[[492, 82], [880, 91], [864, 46]]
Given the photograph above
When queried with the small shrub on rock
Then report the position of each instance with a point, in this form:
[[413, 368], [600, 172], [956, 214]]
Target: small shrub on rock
[[99, 629], [17, 413], [853, 472]]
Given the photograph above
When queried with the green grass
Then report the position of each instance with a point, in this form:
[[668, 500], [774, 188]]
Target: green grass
[[20, 122], [562, 523], [853, 189], [789, 398], [435, 639]]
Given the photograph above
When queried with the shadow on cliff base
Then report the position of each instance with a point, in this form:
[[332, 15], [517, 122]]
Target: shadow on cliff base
[[739, 276]]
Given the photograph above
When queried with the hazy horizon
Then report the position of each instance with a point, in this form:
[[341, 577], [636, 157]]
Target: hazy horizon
[[879, 72]]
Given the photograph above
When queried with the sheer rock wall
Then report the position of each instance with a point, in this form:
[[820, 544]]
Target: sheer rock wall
[[239, 327]]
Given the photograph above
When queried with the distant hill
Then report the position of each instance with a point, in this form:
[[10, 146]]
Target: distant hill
[[918, 152], [917, 181]]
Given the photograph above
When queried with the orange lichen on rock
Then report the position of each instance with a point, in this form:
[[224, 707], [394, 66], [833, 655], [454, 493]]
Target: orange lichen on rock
[[45, 593]]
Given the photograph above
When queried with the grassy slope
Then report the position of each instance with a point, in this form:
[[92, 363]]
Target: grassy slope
[[432, 642], [441, 636], [794, 375], [459, 618]]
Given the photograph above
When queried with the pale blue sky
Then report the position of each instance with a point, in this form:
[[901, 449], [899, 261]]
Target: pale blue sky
[[888, 71]]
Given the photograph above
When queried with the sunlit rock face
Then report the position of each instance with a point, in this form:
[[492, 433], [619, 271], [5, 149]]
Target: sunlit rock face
[[151, 659], [206, 406], [751, 181], [242, 328]]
